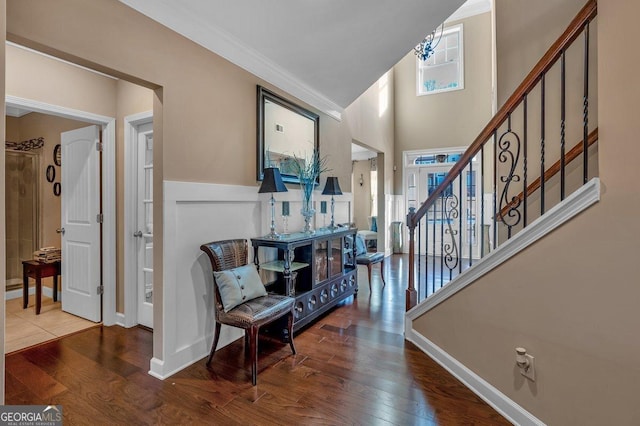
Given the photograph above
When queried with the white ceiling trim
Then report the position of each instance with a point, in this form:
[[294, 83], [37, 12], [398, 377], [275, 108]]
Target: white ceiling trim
[[19, 46], [199, 31]]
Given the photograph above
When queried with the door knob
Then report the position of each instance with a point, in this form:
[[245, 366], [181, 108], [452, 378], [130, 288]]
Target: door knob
[[138, 234], [60, 231]]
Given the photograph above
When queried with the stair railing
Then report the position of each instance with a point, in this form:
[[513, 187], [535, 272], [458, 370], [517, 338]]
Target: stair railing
[[460, 222]]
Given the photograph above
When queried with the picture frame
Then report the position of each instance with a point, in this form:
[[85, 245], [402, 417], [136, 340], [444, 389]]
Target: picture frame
[[57, 155], [51, 173]]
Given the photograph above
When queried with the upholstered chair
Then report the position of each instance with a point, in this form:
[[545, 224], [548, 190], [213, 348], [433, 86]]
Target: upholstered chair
[[369, 259], [229, 259]]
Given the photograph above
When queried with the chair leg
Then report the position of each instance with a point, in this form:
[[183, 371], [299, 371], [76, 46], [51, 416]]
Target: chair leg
[[215, 342], [382, 273], [253, 343], [290, 327], [369, 271]]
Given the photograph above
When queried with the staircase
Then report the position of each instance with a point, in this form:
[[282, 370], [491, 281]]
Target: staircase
[[532, 168]]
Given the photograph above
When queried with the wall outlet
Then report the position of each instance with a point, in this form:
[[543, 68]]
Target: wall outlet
[[530, 371]]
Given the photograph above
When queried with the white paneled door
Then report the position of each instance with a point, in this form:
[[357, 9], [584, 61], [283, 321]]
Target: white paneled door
[[144, 219], [81, 277]]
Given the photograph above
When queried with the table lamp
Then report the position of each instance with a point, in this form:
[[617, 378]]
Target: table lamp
[[272, 182], [332, 187]]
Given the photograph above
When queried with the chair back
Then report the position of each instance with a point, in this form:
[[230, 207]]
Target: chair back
[[223, 255]]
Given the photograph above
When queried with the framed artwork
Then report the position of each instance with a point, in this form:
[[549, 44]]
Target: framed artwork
[[51, 173], [57, 155]]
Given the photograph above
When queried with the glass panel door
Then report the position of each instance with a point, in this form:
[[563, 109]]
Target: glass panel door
[[321, 259], [336, 257]]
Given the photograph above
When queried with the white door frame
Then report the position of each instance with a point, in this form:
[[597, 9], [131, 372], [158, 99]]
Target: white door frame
[[131, 123], [108, 125]]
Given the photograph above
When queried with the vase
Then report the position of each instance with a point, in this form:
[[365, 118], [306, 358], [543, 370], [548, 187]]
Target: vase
[[307, 211]]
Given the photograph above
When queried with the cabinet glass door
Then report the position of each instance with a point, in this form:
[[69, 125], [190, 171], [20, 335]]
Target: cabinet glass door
[[335, 257], [322, 261]]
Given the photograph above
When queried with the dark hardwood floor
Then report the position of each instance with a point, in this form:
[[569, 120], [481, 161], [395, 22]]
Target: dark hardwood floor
[[353, 367]]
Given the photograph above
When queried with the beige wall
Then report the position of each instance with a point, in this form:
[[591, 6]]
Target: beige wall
[[37, 77], [523, 34], [362, 194], [570, 299], [371, 122], [448, 119]]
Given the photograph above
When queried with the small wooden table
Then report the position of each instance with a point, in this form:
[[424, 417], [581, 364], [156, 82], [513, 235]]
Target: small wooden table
[[38, 270]]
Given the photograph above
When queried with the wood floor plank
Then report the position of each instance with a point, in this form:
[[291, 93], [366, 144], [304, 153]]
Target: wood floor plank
[[352, 366]]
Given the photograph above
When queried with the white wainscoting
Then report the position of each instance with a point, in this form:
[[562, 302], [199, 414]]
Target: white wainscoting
[[197, 213]]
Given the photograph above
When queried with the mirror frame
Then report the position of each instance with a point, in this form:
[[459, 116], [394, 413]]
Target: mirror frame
[[264, 95]]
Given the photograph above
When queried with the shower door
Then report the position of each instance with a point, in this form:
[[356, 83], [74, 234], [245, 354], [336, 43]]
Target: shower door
[[21, 210]]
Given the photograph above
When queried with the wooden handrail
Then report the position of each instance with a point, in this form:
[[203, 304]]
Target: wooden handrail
[[586, 14], [551, 171]]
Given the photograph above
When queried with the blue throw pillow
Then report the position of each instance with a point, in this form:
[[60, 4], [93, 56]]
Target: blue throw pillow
[[374, 223], [361, 248], [239, 285]]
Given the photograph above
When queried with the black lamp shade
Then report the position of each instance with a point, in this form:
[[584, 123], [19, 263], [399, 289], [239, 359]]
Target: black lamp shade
[[332, 187], [272, 182]]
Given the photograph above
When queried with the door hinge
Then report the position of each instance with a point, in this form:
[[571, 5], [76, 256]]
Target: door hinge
[[98, 146], [99, 217], [100, 289]]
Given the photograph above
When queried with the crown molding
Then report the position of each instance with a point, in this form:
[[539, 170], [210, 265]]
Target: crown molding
[[220, 42]]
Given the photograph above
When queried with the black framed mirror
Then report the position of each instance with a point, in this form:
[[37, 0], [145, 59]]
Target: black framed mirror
[[286, 133]]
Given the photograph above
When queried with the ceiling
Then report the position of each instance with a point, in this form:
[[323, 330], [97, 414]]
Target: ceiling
[[359, 153], [324, 52]]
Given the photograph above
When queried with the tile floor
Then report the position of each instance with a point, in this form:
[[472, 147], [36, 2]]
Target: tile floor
[[24, 328]]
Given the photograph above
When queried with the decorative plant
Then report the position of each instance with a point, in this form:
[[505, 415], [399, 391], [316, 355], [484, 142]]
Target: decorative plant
[[308, 172]]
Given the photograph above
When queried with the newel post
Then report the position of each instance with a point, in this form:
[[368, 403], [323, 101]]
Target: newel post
[[411, 295]]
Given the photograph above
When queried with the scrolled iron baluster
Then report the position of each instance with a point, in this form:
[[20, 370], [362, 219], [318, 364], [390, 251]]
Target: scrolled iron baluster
[[450, 249], [512, 217]]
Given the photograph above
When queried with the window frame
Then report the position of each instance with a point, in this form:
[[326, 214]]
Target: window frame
[[459, 28]]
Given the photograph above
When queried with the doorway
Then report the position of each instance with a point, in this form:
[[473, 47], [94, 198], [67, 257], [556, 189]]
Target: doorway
[[107, 179], [138, 244], [454, 219], [39, 198]]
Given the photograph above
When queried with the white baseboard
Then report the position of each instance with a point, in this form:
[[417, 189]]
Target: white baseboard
[[120, 320], [504, 405], [16, 294]]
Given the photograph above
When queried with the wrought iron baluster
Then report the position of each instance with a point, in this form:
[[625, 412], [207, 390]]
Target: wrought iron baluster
[[542, 135], [509, 207], [563, 112], [495, 188], [433, 249], [471, 220], [417, 260], [585, 111], [482, 202], [450, 249], [524, 164], [460, 213], [426, 257], [441, 239]]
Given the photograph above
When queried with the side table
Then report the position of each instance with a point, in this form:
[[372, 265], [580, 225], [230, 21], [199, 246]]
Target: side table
[[38, 270]]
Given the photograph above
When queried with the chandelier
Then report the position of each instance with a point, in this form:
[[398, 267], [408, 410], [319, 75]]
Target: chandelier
[[427, 46]]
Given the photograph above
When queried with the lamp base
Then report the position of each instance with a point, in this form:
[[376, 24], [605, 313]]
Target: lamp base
[[273, 235]]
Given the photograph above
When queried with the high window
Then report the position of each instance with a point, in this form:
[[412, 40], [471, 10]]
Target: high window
[[443, 71]]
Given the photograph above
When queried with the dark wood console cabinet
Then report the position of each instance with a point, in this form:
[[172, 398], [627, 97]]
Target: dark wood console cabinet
[[319, 270]]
